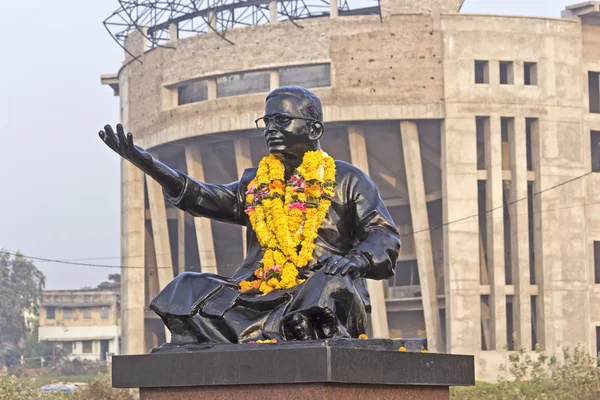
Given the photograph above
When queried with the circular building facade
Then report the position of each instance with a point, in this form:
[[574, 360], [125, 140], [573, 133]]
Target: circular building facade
[[464, 122]]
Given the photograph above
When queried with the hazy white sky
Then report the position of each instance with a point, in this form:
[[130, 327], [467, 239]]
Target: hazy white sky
[[59, 185]]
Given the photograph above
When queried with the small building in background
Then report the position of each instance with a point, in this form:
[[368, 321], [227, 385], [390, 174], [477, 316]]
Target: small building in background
[[84, 323]]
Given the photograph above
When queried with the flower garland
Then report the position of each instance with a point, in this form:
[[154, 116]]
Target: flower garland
[[287, 216]]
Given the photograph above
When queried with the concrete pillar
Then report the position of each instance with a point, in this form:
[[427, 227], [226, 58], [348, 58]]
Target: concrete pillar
[[243, 160], [273, 15], [132, 255], [520, 233], [132, 242], [274, 79], [160, 234], [211, 87], [495, 231], [461, 239], [212, 20], [206, 247], [422, 237], [173, 32], [333, 8], [358, 155]]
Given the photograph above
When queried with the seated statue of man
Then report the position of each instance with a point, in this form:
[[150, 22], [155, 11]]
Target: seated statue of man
[[317, 228]]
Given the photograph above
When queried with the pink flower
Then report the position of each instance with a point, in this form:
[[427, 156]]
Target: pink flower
[[250, 189], [248, 209], [298, 205], [270, 272]]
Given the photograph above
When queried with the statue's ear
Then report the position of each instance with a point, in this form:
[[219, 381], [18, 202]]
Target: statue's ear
[[316, 130]]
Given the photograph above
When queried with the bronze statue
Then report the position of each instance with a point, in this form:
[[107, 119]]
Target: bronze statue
[[316, 230]]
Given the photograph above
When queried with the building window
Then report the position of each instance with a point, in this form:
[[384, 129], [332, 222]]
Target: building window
[[244, 83], [530, 74], [482, 129], [104, 312], [87, 313], [596, 262], [594, 89], [531, 134], [67, 347], [309, 76], [50, 313], [595, 150], [87, 347], [482, 71], [507, 75], [67, 313], [507, 129], [192, 92]]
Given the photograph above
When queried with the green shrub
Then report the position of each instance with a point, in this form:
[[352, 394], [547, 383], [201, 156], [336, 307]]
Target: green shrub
[[538, 376]]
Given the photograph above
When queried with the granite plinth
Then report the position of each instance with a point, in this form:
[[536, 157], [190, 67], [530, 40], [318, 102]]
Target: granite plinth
[[313, 365]]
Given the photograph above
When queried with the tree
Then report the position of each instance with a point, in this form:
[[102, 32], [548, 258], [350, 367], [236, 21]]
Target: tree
[[115, 283], [21, 285]]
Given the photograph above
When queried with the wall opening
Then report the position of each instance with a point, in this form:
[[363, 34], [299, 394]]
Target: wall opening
[[531, 233], [192, 92], [486, 336], [530, 74], [309, 76], [597, 262], [531, 128], [482, 129], [507, 232], [534, 327], [594, 90], [510, 334], [507, 127], [597, 340], [507, 73], [484, 273], [482, 71], [595, 150], [244, 83]]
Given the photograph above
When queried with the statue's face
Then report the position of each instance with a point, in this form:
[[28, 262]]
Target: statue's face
[[285, 135]]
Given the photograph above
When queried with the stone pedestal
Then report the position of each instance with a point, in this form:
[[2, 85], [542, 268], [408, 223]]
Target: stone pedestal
[[330, 369]]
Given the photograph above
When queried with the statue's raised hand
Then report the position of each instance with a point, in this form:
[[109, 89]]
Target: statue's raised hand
[[124, 146]]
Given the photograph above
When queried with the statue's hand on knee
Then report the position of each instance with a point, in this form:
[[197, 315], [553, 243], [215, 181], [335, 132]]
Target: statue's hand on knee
[[354, 265]]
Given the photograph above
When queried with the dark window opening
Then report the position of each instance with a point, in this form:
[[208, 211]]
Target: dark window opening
[[510, 334], [482, 129], [309, 76], [486, 326], [506, 130], [482, 217], [595, 150], [86, 347], [507, 75], [531, 74], [482, 71], [531, 128], [534, 333], [192, 92], [594, 90], [596, 262], [597, 340], [531, 233], [50, 313], [507, 233], [244, 83], [67, 313]]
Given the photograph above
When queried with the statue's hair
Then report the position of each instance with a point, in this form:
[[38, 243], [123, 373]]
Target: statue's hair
[[310, 104]]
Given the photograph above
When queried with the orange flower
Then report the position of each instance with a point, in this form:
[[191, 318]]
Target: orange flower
[[363, 336], [276, 185], [402, 349]]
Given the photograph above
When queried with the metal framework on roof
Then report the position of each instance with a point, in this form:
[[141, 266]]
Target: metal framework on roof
[[154, 18]]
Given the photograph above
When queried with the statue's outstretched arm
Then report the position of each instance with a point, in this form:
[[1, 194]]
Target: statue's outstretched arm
[[123, 145]]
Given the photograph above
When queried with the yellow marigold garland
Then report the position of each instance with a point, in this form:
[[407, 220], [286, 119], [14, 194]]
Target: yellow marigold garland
[[286, 216]]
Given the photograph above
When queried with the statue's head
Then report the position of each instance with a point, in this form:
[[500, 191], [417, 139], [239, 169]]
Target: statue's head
[[293, 122]]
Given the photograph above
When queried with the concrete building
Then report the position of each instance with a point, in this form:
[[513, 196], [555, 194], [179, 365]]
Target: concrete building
[[85, 323], [482, 133]]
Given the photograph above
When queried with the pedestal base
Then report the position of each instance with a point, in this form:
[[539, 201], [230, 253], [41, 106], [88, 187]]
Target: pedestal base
[[322, 391], [328, 369]]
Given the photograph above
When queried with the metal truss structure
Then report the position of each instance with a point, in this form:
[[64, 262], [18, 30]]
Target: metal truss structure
[[154, 18]]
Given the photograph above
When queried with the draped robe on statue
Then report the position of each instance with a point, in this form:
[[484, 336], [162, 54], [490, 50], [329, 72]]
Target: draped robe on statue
[[211, 308]]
